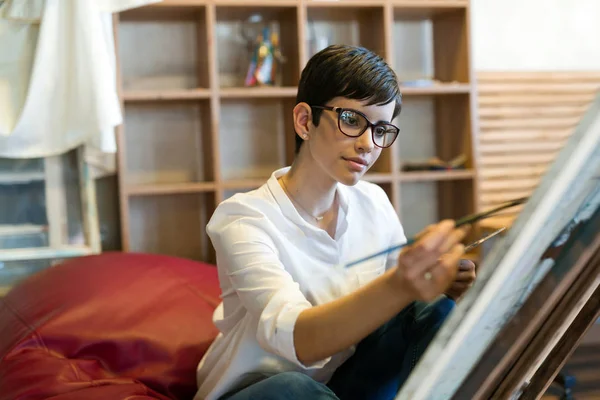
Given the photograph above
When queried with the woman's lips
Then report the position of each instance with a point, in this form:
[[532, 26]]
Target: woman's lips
[[356, 164]]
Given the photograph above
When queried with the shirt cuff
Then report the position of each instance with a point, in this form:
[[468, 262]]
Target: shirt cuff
[[275, 331], [285, 336]]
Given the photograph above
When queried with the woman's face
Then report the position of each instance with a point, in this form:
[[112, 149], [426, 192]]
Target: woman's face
[[345, 159]]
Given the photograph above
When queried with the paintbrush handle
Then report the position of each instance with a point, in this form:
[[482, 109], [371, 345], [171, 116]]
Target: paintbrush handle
[[396, 248], [381, 253], [470, 219]]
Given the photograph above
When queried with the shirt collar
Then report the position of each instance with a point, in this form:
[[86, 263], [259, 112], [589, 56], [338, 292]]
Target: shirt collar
[[288, 209]]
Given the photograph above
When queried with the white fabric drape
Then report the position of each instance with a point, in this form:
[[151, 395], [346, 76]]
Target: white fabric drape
[[57, 76]]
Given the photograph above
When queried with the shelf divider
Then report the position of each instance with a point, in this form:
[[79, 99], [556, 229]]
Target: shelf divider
[[215, 106]]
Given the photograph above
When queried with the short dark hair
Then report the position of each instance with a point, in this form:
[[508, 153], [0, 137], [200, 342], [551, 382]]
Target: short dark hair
[[347, 71]]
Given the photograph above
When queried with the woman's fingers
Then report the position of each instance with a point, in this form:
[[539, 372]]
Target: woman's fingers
[[435, 236], [465, 276], [426, 230], [456, 236], [431, 264], [466, 271], [450, 259], [426, 250], [461, 286]]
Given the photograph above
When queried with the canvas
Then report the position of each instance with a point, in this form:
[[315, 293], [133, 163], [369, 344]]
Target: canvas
[[567, 196]]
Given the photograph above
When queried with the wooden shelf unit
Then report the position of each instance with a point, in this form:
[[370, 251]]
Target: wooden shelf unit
[[193, 135]]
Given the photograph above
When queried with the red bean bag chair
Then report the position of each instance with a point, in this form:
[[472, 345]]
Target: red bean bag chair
[[111, 326]]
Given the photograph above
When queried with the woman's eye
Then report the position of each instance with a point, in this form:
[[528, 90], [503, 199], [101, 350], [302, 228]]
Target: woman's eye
[[380, 130], [349, 118]]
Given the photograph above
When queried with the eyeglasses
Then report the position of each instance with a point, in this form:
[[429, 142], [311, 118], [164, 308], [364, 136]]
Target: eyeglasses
[[353, 123]]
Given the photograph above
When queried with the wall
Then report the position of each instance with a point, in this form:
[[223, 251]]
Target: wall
[[512, 35]]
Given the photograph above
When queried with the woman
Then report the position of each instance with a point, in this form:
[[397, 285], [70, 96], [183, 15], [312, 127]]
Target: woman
[[295, 323]]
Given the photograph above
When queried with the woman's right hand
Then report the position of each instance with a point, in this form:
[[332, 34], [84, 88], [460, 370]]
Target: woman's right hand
[[428, 267]]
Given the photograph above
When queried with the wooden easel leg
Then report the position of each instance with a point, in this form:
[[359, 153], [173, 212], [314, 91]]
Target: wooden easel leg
[[564, 349]]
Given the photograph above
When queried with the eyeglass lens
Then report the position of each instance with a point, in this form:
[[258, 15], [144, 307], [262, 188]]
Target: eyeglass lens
[[354, 124]]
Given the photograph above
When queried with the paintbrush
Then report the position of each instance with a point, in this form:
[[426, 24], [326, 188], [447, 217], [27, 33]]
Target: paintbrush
[[471, 219], [476, 243], [467, 220]]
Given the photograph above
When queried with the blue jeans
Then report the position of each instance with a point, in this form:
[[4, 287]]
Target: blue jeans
[[381, 364]]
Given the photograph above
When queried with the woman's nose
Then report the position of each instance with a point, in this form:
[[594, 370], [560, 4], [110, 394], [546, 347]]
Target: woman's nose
[[364, 142]]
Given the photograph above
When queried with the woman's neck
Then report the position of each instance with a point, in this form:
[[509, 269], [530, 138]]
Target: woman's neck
[[308, 186]]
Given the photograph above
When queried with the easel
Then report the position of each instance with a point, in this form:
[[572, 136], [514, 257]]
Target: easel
[[536, 294], [55, 205], [529, 352]]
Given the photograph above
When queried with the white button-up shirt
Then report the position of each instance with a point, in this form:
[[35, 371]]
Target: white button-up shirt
[[272, 265]]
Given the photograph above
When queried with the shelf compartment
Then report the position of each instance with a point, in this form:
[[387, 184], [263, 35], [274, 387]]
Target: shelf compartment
[[237, 29], [431, 43], [435, 126], [180, 32], [253, 137], [345, 23], [167, 143], [425, 203], [173, 225]]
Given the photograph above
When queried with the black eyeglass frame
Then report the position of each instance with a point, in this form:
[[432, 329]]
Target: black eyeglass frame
[[371, 125]]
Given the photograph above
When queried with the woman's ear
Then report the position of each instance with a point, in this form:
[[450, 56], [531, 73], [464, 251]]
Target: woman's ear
[[302, 120]]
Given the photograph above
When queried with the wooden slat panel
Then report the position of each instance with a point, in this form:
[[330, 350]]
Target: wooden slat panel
[[529, 123], [539, 76], [523, 148], [525, 119], [492, 198], [512, 184], [549, 111], [502, 135], [535, 100], [498, 88], [514, 172], [511, 159]]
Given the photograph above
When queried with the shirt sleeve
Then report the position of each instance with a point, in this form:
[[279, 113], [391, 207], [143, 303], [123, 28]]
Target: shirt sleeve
[[397, 235], [249, 259]]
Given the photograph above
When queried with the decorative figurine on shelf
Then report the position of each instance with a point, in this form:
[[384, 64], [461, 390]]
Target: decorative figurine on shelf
[[265, 60]]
